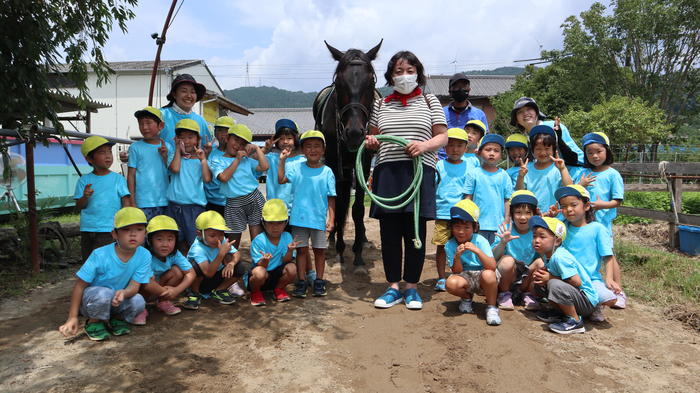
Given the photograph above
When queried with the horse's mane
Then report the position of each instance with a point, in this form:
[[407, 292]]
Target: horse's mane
[[353, 55]]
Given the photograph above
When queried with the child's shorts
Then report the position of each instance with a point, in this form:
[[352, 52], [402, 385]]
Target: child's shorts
[[244, 211], [151, 212], [489, 235], [473, 278], [273, 278], [318, 237], [184, 216], [442, 232], [561, 292], [604, 293], [89, 241], [208, 284], [521, 272]]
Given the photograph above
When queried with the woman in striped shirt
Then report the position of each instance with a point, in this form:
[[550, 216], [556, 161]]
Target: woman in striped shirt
[[419, 118]]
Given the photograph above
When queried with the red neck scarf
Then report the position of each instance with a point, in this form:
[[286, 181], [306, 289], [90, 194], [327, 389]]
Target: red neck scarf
[[403, 97]]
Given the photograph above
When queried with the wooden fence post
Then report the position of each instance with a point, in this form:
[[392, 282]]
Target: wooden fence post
[[676, 198]]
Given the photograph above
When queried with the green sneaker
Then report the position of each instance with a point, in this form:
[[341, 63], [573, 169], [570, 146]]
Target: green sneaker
[[96, 331], [119, 327], [192, 302], [222, 296]]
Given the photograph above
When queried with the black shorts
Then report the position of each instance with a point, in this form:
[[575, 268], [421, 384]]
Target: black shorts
[[210, 283], [273, 278]]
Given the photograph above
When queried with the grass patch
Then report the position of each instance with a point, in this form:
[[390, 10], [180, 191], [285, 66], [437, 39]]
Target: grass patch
[[19, 282], [661, 278]]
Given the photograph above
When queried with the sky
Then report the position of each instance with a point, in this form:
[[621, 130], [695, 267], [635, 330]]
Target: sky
[[280, 43]]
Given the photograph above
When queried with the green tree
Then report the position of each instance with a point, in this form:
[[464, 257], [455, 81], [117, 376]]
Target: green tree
[[38, 36]]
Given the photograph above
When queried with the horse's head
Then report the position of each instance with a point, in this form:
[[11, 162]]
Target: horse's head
[[354, 86]]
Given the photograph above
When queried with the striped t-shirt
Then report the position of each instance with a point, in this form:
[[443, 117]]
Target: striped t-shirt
[[413, 122]]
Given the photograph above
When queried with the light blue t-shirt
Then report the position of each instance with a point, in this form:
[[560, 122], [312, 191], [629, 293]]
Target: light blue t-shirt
[[513, 173], [200, 252], [186, 187], [489, 190], [312, 187], [451, 180], [170, 119], [261, 244], [211, 189], [275, 190], [470, 261], [159, 267], [565, 265], [151, 174], [521, 248], [589, 244], [244, 179], [106, 200], [472, 161], [543, 183], [568, 140], [103, 268], [608, 185]]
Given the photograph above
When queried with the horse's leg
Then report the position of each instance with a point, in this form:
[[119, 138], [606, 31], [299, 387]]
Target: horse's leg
[[358, 214], [342, 200]]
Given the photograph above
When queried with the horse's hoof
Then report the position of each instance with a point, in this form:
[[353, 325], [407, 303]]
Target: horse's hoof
[[362, 270]]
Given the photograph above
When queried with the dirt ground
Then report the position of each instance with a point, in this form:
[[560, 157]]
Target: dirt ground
[[340, 343]]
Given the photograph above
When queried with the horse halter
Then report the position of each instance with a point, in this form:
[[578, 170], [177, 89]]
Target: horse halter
[[340, 113]]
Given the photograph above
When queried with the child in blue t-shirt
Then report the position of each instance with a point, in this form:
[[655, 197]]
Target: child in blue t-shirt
[[490, 187], [313, 211], [590, 243], [286, 138], [563, 280], [172, 273], [107, 285], [147, 177], [188, 173], [476, 130], [238, 171], [451, 174], [215, 199], [517, 261], [517, 149], [215, 260], [547, 173], [272, 253], [470, 257], [98, 195]]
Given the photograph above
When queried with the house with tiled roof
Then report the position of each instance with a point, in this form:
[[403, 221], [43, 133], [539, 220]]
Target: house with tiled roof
[[262, 121]]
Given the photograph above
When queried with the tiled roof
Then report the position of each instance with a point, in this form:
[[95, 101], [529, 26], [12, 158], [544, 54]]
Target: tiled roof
[[482, 85], [262, 121], [141, 65]]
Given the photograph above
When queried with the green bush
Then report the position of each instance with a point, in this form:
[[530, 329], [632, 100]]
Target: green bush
[[656, 200]]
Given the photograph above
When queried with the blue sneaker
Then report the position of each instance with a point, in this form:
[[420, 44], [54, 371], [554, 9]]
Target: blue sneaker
[[568, 326], [390, 298], [440, 285], [412, 299]]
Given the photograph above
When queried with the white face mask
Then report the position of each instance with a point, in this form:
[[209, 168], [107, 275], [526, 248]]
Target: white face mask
[[405, 83]]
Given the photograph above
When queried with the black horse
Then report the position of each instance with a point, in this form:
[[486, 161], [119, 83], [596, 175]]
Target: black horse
[[341, 112]]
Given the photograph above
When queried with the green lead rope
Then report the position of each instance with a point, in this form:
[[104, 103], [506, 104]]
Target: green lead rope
[[413, 189]]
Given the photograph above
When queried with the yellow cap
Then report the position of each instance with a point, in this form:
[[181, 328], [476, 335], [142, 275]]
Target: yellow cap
[[275, 210], [312, 134], [523, 196], [93, 143], [161, 223], [465, 210], [457, 133], [557, 227], [225, 122], [187, 124], [149, 110], [129, 216], [477, 123], [210, 219], [242, 131], [571, 190], [517, 140]]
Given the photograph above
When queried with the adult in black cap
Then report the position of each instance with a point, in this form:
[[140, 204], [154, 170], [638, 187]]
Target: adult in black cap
[[460, 110], [184, 93], [526, 114]]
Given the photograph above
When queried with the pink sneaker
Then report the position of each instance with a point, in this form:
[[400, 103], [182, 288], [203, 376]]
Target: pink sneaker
[[597, 315], [168, 308], [505, 301], [236, 290], [621, 301], [531, 303], [281, 295], [140, 319]]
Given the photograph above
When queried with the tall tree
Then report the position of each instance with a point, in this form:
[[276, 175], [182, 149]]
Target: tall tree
[[38, 36]]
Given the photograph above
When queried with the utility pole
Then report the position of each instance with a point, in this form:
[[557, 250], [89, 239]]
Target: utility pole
[[247, 75]]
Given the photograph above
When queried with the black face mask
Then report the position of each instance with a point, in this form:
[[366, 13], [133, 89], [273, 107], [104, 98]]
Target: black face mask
[[459, 95]]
